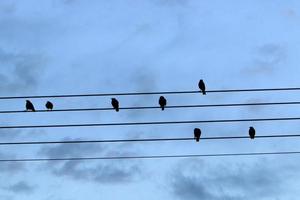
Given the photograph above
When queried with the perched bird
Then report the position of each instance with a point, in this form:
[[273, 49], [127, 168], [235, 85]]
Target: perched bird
[[197, 134], [115, 104], [162, 102], [29, 106], [251, 132], [49, 105], [201, 85]]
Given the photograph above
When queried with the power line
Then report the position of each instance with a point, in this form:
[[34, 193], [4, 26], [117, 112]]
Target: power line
[[151, 123], [157, 107], [149, 93], [151, 157], [143, 140]]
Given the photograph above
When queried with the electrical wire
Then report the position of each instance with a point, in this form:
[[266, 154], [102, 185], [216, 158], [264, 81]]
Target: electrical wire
[[144, 140], [150, 123], [149, 93], [156, 107], [152, 156]]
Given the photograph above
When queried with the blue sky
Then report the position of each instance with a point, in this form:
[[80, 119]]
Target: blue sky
[[76, 46]]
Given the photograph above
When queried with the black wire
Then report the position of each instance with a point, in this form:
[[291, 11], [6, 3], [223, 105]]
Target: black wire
[[149, 157], [143, 140], [151, 123], [157, 107], [149, 93]]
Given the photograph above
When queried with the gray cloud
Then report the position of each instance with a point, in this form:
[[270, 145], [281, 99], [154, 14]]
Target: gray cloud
[[10, 168], [6, 197], [7, 7], [106, 172], [268, 58], [21, 187], [111, 172], [69, 150], [20, 71], [199, 180]]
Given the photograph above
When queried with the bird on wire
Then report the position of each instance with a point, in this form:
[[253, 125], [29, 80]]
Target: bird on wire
[[197, 134], [201, 85], [162, 102], [115, 104], [251, 132], [29, 106], [49, 105]]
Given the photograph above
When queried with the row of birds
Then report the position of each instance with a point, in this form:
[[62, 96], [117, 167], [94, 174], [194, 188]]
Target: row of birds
[[197, 133], [114, 102]]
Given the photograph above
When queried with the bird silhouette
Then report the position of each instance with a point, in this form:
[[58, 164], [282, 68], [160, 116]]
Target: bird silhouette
[[49, 105], [201, 85], [252, 132], [29, 106], [115, 104], [197, 134], [162, 102]]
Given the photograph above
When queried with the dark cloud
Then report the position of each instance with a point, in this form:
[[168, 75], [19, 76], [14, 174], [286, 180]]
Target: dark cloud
[[20, 72], [21, 187], [6, 197], [10, 168], [106, 172], [69, 150], [7, 7], [268, 58], [111, 172], [199, 180]]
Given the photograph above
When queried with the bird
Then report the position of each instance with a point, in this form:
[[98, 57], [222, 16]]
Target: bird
[[197, 134], [201, 85], [162, 102], [29, 106], [251, 132], [115, 104], [49, 105]]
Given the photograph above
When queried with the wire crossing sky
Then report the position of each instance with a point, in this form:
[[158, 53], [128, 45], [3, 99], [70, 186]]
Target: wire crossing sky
[[157, 107], [149, 93], [151, 123], [150, 157], [145, 140]]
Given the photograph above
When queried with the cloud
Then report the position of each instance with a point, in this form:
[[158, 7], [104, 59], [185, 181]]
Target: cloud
[[6, 197], [268, 58], [70, 150], [7, 7], [20, 71], [10, 168], [21, 187], [106, 172], [199, 180]]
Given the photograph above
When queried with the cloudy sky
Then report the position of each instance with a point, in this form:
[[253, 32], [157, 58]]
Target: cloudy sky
[[76, 46]]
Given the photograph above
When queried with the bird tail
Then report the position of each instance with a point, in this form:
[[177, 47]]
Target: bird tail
[[33, 110], [117, 109], [197, 139], [204, 92], [162, 108]]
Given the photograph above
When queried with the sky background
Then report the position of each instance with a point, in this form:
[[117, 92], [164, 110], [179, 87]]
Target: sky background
[[76, 46]]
